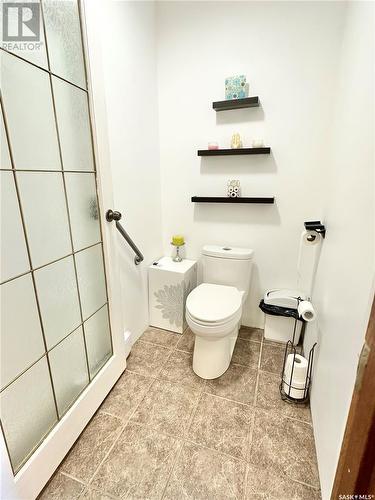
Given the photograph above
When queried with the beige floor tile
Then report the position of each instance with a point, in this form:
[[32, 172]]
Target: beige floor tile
[[139, 464], [126, 395], [237, 383], [61, 487], [268, 398], [221, 425], [94, 494], [246, 353], [263, 483], [186, 342], [92, 446], [160, 337], [178, 369], [250, 333], [147, 359], [285, 447], [167, 407], [272, 358], [203, 474]]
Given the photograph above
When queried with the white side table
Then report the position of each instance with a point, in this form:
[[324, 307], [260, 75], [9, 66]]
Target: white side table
[[169, 283]]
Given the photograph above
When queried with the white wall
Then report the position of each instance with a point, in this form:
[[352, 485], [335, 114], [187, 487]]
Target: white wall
[[343, 291], [127, 32], [289, 52]]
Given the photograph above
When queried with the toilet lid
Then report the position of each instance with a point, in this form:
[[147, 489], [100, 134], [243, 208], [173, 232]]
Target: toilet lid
[[213, 303]]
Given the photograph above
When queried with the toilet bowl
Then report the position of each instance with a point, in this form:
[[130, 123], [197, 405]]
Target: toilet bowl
[[214, 308]]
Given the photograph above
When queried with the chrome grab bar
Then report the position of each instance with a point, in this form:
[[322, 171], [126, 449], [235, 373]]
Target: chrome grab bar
[[112, 215]]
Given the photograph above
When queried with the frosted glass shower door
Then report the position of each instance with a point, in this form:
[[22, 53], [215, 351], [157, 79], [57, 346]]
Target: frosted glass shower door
[[59, 342]]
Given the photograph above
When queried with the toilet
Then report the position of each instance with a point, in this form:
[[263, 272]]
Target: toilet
[[214, 308]]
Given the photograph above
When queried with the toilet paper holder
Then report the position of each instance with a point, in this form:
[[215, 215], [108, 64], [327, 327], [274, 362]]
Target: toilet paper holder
[[292, 391], [317, 226]]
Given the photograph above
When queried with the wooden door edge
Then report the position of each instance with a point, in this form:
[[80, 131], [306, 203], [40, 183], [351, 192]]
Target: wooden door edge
[[355, 473]]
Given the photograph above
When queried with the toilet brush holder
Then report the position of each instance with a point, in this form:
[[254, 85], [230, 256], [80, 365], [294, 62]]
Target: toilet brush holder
[[177, 257], [296, 372]]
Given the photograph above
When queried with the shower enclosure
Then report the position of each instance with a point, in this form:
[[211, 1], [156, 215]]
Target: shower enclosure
[[61, 346]]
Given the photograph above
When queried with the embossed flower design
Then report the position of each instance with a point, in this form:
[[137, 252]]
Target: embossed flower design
[[171, 300]]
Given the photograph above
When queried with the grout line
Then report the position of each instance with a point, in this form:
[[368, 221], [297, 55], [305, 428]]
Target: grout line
[[305, 484], [183, 350], [280, 415], [105, 412], [150, 343], [247, 472], [220, 452], [249, 340], [192, 415], [257, 379], [58, 471], [136, 373], [176, 458], [154, 343], [248, 405]]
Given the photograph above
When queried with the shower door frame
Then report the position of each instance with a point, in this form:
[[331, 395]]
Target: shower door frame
[[35, 473]]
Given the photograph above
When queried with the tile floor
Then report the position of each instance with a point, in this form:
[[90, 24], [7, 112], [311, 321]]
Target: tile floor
[[163, 432]]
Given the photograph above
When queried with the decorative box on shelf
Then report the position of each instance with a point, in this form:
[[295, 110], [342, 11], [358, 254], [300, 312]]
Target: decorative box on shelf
[[169, 283]]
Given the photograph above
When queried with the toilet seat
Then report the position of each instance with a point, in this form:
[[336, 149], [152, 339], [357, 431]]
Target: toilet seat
[[213, 305]]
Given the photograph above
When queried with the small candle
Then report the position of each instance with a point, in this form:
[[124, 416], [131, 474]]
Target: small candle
[[213, 145], [178, 240]]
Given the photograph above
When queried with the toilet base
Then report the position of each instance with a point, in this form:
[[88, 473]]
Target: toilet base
[[212, 356]]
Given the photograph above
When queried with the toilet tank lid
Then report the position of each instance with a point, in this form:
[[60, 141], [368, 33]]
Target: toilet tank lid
[[228, 252]]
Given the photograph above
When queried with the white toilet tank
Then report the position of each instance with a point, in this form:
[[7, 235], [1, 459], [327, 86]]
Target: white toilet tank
[[227, 266]]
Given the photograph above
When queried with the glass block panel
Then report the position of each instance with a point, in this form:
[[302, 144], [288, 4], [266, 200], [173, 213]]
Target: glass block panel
[[64, 40], [14, 259], [27, 412], [98, 340], [69, 382], [91, 280], [4, 150], [58, 299], [83, 209], [44, 207], [21, 338], [34, 50], [74, 126], [29, 112]]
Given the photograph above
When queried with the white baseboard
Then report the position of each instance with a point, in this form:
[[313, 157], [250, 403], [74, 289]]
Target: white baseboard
[[129, 341]]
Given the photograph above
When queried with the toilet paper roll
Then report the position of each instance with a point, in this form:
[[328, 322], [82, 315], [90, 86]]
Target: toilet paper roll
[[296, 391], [310, 238], [308, 258], [295, 386], [299, 365], [306, 311], [236, 189], [233, 195]]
